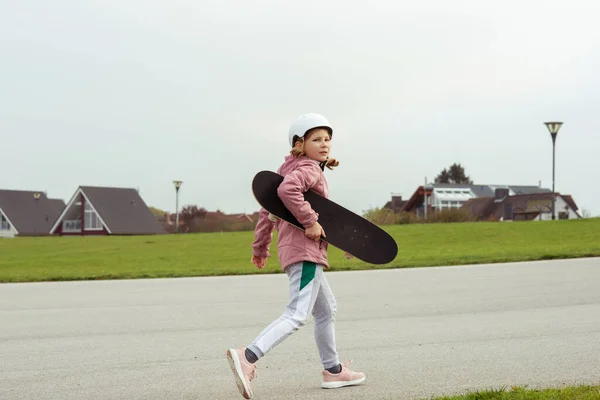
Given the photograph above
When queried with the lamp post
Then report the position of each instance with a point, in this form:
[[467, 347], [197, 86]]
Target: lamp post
[[553, 127], [36, 197], [177, 186]]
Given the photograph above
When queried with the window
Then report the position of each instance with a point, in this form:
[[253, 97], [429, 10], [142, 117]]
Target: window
[[72, 226], [4, 224], [451, 203], [91, 218]]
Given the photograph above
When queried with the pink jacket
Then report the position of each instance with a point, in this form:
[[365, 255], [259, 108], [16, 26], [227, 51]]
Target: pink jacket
[[300, 174]]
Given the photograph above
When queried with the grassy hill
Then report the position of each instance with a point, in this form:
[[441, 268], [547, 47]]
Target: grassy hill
[[206, 254]]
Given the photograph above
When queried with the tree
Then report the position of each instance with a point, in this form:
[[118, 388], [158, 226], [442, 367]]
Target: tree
[[443, 177], [157, 212], [455, 174], [585, 213], [190, 214]]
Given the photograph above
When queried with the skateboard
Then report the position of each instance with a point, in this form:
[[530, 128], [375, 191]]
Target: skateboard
[[344, 229]]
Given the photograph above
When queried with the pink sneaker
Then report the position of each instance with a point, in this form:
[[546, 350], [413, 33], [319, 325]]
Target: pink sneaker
[[346, 377], [243, 371]]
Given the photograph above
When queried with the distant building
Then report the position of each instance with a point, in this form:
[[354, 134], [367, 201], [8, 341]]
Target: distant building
[[478, 199], [106, 211], [27, 213], [396, 204], [522, 207]]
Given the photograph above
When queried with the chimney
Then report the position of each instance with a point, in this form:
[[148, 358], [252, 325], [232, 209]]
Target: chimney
[[396, 201], [500, 194]]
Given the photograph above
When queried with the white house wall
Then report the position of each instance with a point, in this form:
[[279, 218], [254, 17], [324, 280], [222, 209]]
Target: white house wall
[[559, 206], [7, 233]]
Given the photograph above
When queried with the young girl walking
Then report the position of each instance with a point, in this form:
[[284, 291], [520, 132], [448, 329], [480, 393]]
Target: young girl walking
[[302, 255]]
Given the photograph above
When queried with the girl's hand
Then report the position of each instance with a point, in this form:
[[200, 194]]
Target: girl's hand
[[259, 261], [314, 232]]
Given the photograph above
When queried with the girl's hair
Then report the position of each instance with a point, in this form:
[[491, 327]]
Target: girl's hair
[[296, 152]]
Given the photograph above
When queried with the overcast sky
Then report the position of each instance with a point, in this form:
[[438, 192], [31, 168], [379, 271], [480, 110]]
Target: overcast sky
[[134, 93]]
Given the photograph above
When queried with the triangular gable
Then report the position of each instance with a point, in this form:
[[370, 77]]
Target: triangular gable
[[30, 212], [74, 198], [124, 210], [9, 221]]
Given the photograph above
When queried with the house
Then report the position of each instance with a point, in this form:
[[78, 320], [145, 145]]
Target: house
[[97, 210], [27, 213], [452, 195], [219, 215], [396, 204], [522, 207], [209, 221]]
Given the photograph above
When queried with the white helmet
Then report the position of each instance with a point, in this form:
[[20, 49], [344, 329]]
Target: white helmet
[[306, 122]]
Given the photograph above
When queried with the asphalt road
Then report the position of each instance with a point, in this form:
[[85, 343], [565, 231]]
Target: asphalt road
[[416, 333]]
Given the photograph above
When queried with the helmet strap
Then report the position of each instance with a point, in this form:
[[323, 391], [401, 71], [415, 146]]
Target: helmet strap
[[322, 164]]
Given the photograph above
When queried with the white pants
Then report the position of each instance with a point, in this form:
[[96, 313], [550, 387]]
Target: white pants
[[309, 293]]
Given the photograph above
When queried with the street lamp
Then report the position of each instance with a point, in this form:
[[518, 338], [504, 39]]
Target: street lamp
[[553, 127], [36, 196], [177, 186]]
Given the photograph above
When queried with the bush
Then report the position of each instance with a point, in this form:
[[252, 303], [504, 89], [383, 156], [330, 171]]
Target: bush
[[385, 216], [450, 215], [380, 216], [216, 225]]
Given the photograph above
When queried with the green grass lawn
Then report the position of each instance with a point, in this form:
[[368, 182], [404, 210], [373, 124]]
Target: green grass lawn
[[66, 258], [567, 393]]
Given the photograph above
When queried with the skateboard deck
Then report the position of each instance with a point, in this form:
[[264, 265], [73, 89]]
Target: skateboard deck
[[343, 228]]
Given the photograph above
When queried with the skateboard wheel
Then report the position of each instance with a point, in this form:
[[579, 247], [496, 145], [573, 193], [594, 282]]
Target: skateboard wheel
[[272, 218]]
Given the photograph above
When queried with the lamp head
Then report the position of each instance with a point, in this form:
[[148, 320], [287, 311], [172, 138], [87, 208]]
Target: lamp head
[[553, 127]]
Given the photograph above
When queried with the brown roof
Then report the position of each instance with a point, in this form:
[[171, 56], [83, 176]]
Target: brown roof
[[27, 217], [122, 210], [396, 203], [569, 200], [532, 204], [418, 197], [219, 215], [480, 207]]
